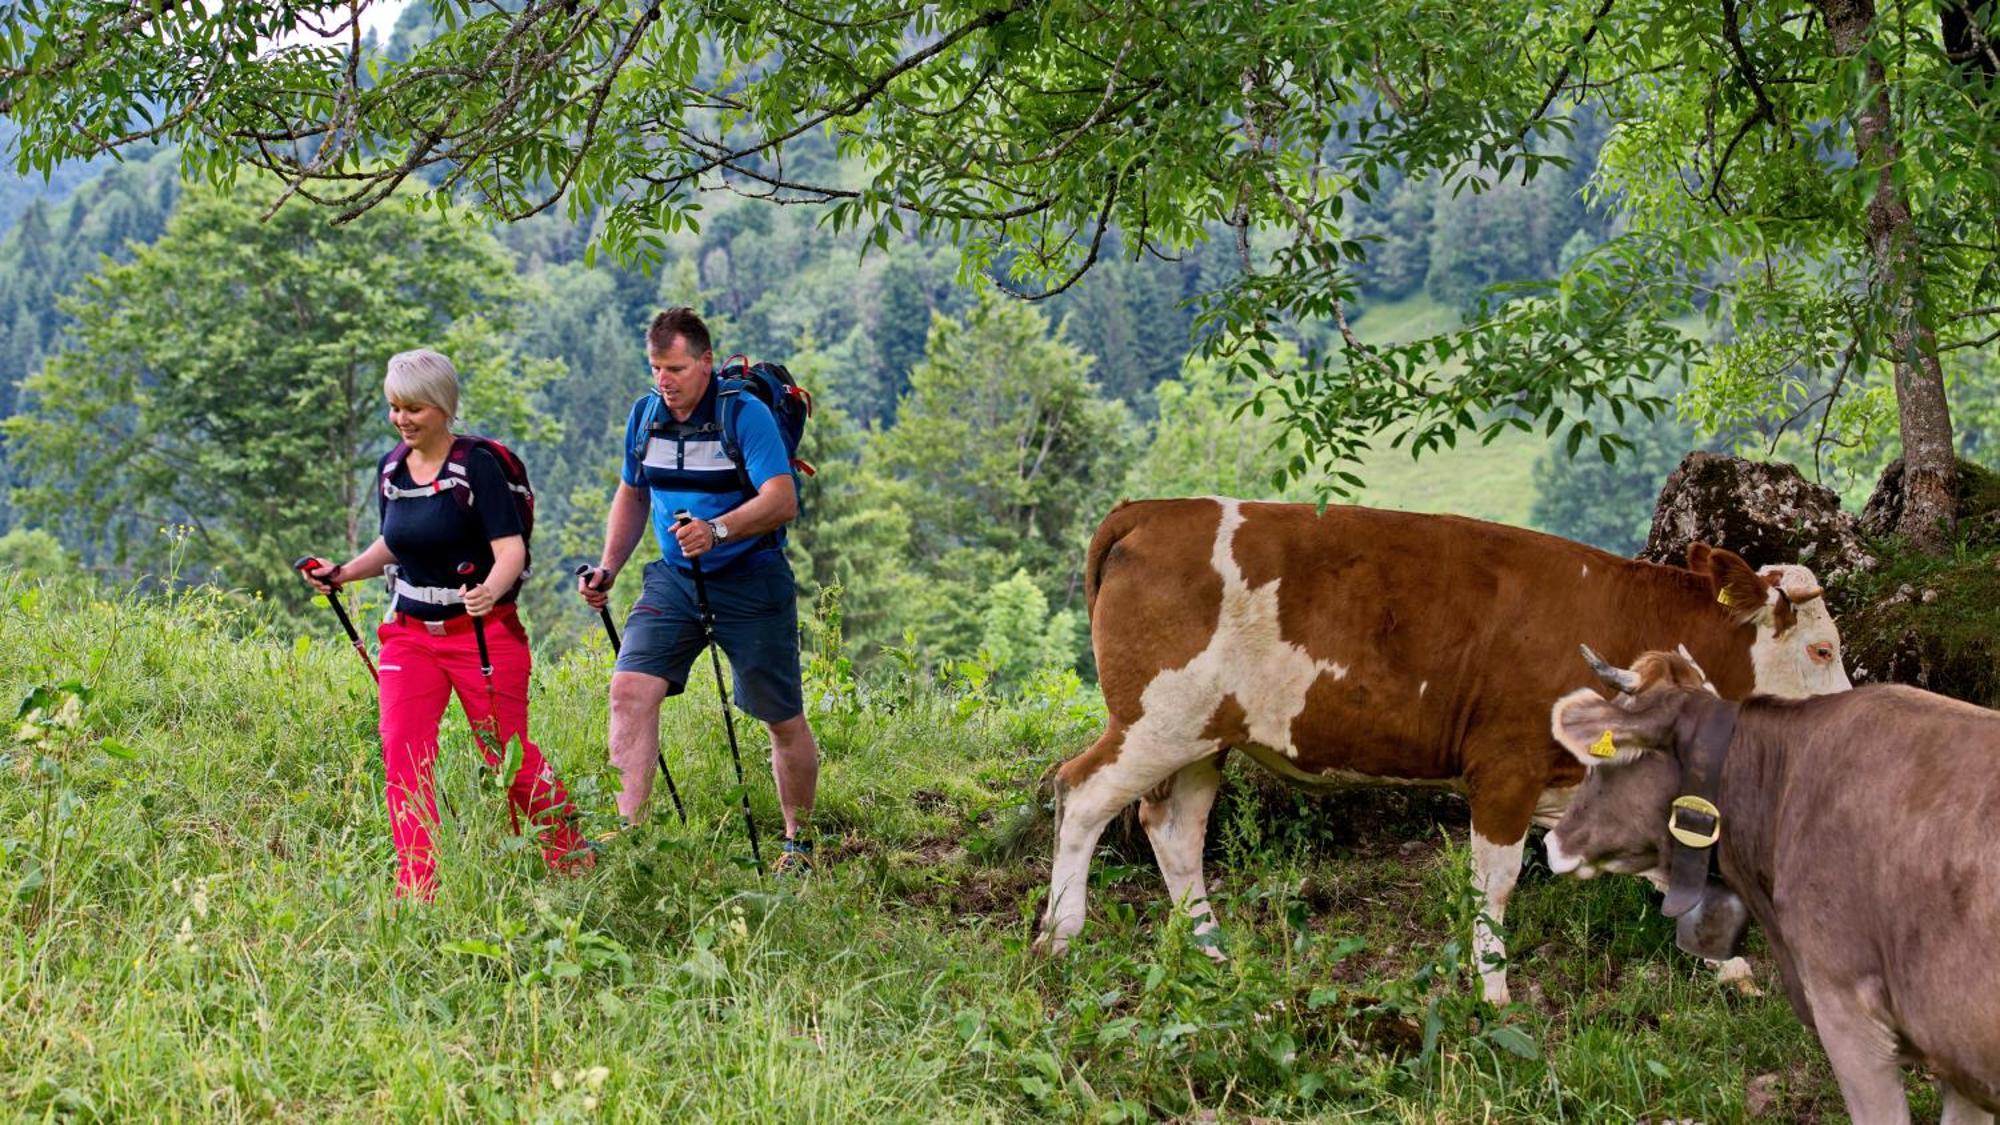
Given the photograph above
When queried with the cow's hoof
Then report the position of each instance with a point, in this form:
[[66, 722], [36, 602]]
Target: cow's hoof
[[1049, 945]]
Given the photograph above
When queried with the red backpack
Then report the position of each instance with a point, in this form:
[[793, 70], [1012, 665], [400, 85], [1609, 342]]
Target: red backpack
[[454, 478]]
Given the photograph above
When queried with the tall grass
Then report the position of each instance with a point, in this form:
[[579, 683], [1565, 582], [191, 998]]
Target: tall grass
[[198, 924]]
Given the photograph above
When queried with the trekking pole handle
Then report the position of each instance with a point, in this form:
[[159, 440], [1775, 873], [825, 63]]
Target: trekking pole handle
[[700, 587], [590, 575], [306, 564]]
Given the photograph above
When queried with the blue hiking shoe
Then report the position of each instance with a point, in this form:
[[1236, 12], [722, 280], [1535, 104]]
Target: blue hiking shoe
[[795, 860]]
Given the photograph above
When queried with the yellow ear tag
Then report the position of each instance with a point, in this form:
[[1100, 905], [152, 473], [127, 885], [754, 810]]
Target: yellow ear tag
[[1603, 747], [1722, 596]]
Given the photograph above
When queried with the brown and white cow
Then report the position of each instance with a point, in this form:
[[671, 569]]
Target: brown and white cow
[[1858, 829], [1364, 645]]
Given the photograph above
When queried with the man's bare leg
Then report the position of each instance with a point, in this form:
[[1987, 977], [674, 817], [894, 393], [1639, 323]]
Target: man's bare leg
[[795, 767], [635, 738]]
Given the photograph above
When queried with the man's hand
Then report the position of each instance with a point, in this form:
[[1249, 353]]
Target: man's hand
[[696, 537], [594, 584]]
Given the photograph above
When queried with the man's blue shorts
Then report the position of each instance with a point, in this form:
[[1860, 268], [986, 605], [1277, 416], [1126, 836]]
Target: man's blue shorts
[[756, 621]]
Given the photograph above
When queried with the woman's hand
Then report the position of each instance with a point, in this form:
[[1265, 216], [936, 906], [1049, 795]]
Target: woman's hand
[[479, 600], [324, 577]]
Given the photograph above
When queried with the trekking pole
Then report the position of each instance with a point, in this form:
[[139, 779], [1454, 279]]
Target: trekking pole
[[589, 575], [311, 563], [465, 570], [722, 692]]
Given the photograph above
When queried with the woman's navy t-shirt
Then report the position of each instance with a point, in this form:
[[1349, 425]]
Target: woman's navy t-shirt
[[431, 535]]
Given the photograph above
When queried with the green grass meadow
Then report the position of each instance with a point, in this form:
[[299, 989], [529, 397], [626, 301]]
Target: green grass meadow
[[198, 924], [1488, 482]]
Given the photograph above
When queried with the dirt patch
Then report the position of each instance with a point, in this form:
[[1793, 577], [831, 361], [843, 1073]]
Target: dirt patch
[[986, 893]]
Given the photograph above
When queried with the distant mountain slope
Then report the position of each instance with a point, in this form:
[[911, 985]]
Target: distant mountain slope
[[18, 191]]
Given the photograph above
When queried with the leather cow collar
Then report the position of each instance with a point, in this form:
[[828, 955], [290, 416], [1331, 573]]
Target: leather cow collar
[[1710, 918]]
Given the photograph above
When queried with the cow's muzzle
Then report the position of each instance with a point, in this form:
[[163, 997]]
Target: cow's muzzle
[[1714, 928]]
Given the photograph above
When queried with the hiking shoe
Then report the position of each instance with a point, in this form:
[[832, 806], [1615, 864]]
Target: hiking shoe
[[623, 826], [795, 859]]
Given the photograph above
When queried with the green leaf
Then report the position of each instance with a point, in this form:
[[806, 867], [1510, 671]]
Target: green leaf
[[1514, 1041]]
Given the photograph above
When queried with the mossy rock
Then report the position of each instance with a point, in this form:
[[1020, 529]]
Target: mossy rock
[[1929, 620], [1978, 494]]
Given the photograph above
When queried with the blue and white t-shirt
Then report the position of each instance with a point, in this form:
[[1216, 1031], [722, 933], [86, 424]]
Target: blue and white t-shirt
[[685, 465]]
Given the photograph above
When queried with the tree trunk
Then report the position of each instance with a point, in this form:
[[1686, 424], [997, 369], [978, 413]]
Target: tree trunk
[[1923, 415]]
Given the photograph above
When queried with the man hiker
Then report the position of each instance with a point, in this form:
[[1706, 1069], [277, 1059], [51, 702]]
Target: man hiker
[[726, 464]]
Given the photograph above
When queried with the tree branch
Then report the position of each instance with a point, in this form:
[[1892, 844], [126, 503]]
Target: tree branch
[[1562, 73]]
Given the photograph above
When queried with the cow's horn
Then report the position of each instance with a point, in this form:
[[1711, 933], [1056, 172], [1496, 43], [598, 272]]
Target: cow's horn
[[1624, 679], [1793, 582]]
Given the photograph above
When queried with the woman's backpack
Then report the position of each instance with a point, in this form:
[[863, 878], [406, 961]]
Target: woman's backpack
[[455, 479]]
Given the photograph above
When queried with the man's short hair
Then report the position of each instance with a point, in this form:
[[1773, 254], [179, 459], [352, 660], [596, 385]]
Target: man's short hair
[[423, 376], [678, 323]]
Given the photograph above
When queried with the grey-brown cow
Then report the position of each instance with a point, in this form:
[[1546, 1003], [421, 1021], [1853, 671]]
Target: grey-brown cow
[[1859, 830]]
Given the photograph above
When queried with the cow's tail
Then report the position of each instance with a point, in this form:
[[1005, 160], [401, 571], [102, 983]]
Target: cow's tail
[[1120, 523]]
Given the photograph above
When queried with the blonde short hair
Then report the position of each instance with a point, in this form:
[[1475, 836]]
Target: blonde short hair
[[423, 376]]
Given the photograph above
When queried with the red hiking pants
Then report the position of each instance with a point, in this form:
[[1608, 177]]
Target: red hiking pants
[[420, 669]]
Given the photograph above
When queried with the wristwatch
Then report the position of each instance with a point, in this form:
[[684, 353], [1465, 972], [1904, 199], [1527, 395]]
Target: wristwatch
[[720, 529]]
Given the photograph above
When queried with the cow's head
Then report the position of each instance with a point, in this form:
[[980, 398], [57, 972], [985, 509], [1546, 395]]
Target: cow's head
[[1796, 652], [1621, 819]]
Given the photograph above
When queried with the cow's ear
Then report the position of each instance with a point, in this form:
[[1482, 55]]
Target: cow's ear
[[1738, 588], [1599, 732]]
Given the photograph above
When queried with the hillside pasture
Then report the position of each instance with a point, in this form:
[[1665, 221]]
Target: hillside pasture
[[199, 926]]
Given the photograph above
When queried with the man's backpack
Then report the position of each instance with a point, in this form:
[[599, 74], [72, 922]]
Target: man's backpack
[[455, 478], [774, 386]]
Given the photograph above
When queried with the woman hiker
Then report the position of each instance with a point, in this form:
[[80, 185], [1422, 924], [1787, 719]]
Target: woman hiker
[[456, 545]]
